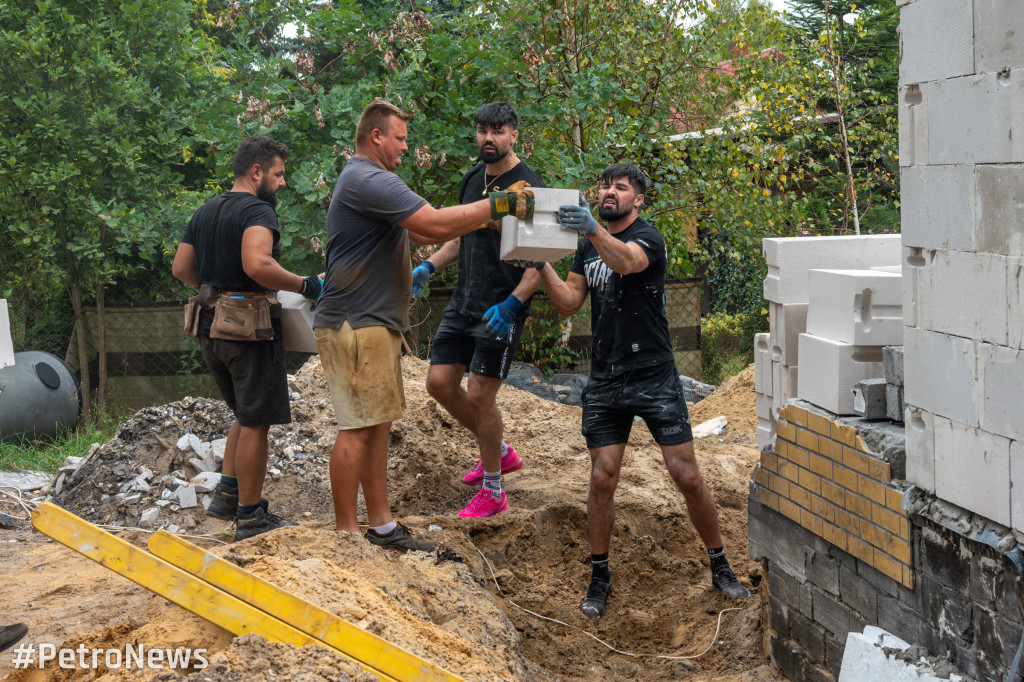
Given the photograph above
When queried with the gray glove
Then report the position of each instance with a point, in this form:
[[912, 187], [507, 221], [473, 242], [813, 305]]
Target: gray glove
[[577, 218]]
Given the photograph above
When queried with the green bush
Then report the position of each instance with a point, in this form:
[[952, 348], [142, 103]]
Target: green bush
[[727, 343]]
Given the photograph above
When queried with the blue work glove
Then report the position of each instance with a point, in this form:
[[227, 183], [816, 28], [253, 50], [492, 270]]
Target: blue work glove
[[420, 274], [577, 218], [499, 317], [312, 288]]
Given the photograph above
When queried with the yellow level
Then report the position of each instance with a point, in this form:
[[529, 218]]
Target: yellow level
[[170, 582], [338, 633]]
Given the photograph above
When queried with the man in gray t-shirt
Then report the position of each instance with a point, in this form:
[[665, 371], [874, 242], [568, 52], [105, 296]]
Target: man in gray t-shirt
[[364, 308]]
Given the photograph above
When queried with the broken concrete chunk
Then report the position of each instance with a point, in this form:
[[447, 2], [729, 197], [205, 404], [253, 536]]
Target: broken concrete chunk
[[187, 497], [206, 481], [869, 398], [183, 443], [203, 463], [72, 461], [148, 518], [894, 402], [217, 449], [892, 363]]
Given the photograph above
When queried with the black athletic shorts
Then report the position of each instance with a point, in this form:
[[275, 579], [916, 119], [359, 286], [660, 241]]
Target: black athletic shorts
[[251, 377], [462, 340], [652, 393]]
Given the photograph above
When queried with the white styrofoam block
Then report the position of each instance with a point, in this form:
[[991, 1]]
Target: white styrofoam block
[[972, 469], [998, 26], [6, 345], [1017, 485], [762, 365], [975, 119], [763, 406], [1001, 376], [765, 434], [937, 206], [865, 659], [784, 383], [897, 269], [919, 429], [912, 112], [914, 263], [940, 374], [297, 322], [860, 307], [937, 40], [1000, 210], [789, 259], [1015, 298], [830, 369], [964, 294], [541, 238], [786, 322]]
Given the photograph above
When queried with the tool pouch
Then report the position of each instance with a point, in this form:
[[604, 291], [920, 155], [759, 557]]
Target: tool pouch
[[192, 316], [243, 316]]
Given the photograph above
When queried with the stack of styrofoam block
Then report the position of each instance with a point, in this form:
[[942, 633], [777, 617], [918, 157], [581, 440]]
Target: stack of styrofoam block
[[766, 412], [962, 206]]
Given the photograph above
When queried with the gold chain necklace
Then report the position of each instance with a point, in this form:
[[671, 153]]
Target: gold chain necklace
[[492, 182]]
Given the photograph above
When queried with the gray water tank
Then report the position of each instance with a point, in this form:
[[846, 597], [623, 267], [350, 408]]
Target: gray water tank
[[38, 395]]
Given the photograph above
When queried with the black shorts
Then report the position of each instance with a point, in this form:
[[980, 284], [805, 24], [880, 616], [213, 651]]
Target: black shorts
[[652, 393], [462, 340], [251, 378]]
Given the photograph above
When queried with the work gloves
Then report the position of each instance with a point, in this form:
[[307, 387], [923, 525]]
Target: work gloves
[[312, 287], [516, 200], [500, 317], [577, 218], [420, 274]]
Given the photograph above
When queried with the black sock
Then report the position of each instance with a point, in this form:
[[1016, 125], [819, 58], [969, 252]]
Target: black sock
[[717, 558], [229, 484], [248, 509], [599, 566]]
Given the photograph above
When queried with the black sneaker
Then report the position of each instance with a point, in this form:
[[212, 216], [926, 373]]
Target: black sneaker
[[399, 540], [11, 635], [725, 580], [260, 521], [224, 505], [597, 594]]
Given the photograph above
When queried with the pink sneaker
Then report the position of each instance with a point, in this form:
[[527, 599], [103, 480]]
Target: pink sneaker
[[483, 505], [510, 461]]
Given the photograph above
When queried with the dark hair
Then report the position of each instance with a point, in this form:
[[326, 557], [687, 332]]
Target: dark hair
[[635, 176], [377, 116], [260, 149], [496, 115]]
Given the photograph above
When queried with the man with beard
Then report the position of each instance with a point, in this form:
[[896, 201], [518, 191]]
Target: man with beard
[[484, 319], [633, 371], [231, 248]]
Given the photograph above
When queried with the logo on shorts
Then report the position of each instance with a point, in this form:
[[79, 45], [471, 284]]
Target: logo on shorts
[[636, 347], [671, 430]]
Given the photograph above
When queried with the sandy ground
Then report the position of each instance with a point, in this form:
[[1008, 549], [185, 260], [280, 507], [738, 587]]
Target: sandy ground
[[501, 604]]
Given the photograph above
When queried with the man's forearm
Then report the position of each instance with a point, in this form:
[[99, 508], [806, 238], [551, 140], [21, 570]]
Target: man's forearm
[[618, 256], [446, 255], [527, 285], [567, 301]]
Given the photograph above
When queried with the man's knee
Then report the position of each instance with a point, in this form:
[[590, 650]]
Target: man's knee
[[482, 392], [440, 385]]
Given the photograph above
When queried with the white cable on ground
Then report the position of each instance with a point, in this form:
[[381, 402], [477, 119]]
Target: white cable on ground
[[18, 499], [718, 627]]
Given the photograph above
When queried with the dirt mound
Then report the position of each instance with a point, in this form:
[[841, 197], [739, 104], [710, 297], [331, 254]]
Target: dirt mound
[[451, 612]]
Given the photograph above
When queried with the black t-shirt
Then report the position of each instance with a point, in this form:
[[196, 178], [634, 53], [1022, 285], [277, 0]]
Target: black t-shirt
[[484, 279], [628, 320]]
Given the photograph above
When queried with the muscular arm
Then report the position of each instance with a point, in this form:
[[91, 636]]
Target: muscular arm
[[257, 243], [430, 225], [184, 265], [527, 285], [624, 258], [446, 255], [567, 296]]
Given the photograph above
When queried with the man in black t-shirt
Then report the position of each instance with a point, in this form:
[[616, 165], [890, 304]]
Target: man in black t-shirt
[[233, 244], [484, 320], [633, 371]]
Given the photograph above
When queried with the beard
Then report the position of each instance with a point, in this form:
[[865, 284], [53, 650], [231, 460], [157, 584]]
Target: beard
[[263, 192], [491, 154], [610, 214]]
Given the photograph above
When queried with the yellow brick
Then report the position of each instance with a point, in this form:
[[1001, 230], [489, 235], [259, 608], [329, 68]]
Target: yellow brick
[[873, 490], [810, 481], [789, 510], [855, 460], [789, 470], [834, 535], [830, 449], [844, 477], [820, 466], [886, 519], [798, 456], [760, 477], [819, 424], [894, 500], [786, 431], [806, 439], [873, 535], [833, 493], [779, 485], [848, 522], [800, 496], [860, 549], [905, 529], [823, 508], [844, 433], [908, 577], [796, 415], [859, 443], [781, 448], [769, 462], [859, 506], [810, 522], [879, 470], [886, 564], [898, 548], [769, 499]]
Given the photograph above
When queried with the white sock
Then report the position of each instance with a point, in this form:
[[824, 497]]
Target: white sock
[[492, 483], [385, 529], [504, 448]]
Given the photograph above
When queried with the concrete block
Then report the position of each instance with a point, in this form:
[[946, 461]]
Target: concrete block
[[865, 659], [187, 496], [6, 345], [912, 113], [869, 398], [972, 469], [915, 261], [892, 363], [1017, 485], [786, 323], [1001, 378], [832, 368], [937, 40], [297, 322], [784, 383], [540, 238], [940, 375], [1015, 301], [1000, 209], [860, 307], [790, 258], [998, 27], [148, 518], [964, 294], [762, 364], [972, 119], [894, 402], [937, 206]]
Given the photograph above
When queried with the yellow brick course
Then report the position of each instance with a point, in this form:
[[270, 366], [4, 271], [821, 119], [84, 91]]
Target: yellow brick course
[[760, 476], [786, 431], [844, 477], [781, 447], [810, 481], [886, 519], [823, 508], [860, 549], [810, 522], [897, 548], [789, 470], [779, 485], [855, 460], [887, 565], [873, 490], [807, 439], [769, 461], [894, 500], [795, 414], [769, 499], [833, 493], [879, 470], [819, 424], [873, 535], [848, 522], [820, 466], [837, 536], [789, 510], [800, 496], [830, 449], [797, 455], [844, 433], [861, 506]]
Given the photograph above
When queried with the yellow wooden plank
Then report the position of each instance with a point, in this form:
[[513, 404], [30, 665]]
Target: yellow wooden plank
[[170, 582], [353, 641]]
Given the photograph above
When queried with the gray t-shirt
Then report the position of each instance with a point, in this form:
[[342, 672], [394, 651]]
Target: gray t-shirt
[[369, 275]]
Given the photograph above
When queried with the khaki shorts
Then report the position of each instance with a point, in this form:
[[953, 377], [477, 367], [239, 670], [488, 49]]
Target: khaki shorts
[[364, 374]]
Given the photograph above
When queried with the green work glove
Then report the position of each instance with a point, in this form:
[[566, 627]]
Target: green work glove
[[518, 202]]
